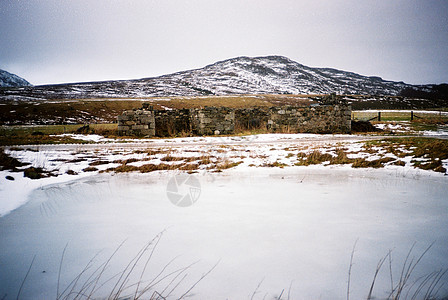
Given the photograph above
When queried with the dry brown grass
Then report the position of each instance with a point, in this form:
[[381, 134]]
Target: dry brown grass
[[433, 150], [157, 167], [340, 158], [85, 111], [99, 162], [14, 138], [376, 163], [399, 163], [227, 164], [147, 168], [189, 167], [314, 158], [122, 169], [275, 164], [435, 165], [90, 169], [205, 160], [432, 121], [9, 163], [169, 157]]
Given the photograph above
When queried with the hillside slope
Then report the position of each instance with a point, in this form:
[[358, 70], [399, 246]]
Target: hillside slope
[[11, 80], [241, 75]]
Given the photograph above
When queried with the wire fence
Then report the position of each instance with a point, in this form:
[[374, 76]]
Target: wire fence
[[398, 115]]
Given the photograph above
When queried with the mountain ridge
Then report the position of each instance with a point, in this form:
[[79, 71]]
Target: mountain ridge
[[240, 75]]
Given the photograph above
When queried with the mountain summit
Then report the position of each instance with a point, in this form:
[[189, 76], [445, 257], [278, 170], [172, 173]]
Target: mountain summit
[[10, 80], [277, 75]]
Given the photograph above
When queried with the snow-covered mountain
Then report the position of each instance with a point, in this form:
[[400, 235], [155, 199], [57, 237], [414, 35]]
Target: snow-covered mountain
[[277, 74], [241, 75], [10, 80]]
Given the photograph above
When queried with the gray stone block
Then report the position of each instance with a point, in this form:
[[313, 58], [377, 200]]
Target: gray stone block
[[122, 128]]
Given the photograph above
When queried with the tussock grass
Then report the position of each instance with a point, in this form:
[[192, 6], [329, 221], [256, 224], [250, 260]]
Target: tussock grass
[[433, 150], [314, 158], [99, 162], [126, 161], [179, 158], [71, 172], [227, 164], [189, 167], [376, 163], [340, 158], [157, 167], [289, 155], [36, 173], [90, 169], [399, 163], [9, 163], [204, 160], [275, 164], [147, 168], [172, 158]]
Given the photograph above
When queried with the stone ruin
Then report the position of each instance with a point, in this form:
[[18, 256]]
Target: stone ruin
[[326, 118], [138, 122]]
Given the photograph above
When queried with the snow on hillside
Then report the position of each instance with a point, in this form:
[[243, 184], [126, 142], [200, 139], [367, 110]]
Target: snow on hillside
[[10, 80], [241, 75], [276, 74]]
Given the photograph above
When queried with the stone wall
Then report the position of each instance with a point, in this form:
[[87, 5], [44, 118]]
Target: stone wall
[[221, 120], [316, 119], [137, 122], [251, 118], [212, 120], [292, 119], [172, 122]]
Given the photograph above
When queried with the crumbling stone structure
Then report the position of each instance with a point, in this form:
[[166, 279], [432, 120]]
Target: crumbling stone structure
[[213, 120], [137, 122], [333, 118], [251, 118], [172, 122], [317, 119]]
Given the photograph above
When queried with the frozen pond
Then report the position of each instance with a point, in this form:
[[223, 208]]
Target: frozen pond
[[268, 231]]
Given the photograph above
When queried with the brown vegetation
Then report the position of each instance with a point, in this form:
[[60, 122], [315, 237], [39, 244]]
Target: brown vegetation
[[314, 158], [376, 163], [9, 163]]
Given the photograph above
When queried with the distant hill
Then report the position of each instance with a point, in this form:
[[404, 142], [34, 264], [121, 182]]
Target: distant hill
[[241, 75], [10, 80]]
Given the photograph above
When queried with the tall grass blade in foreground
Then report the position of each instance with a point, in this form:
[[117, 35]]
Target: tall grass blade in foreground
[[123, 287]]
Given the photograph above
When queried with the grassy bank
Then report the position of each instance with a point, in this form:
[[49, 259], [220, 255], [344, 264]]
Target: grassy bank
[[47, 134], [419, 116]]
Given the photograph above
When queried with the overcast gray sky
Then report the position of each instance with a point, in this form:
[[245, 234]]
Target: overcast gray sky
[[55, 41]]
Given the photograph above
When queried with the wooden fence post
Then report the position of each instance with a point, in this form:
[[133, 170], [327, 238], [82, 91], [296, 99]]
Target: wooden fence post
[[379, 116], [412, 115]]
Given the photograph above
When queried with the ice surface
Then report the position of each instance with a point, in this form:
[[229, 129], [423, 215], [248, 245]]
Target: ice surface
[[250, 151], [280, 227]]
